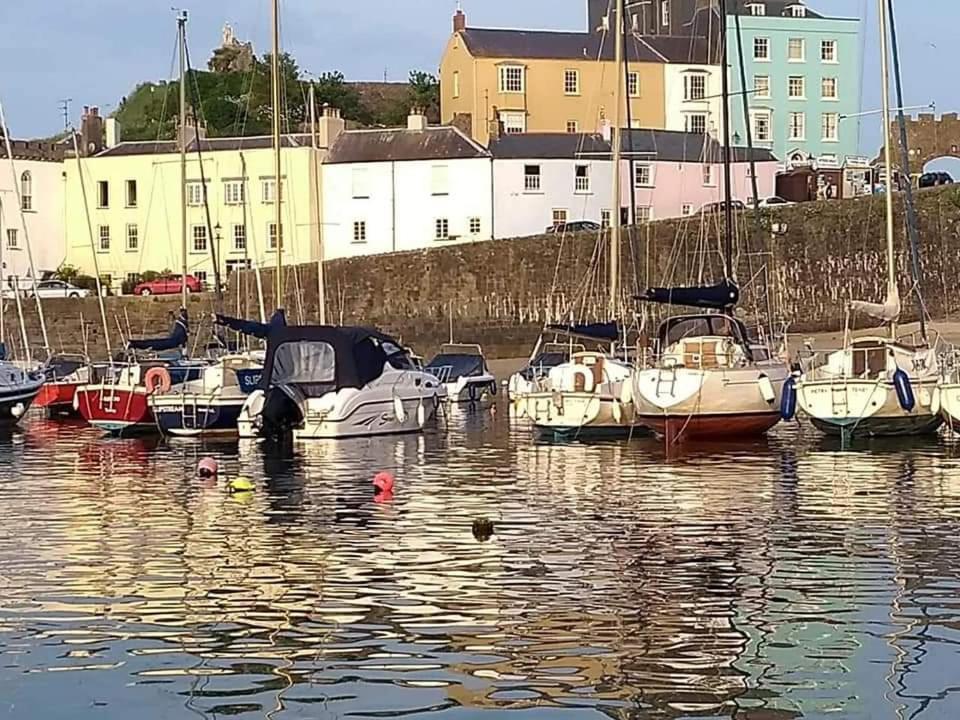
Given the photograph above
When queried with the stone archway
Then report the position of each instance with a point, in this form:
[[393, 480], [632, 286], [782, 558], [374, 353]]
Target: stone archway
[[930, 138]]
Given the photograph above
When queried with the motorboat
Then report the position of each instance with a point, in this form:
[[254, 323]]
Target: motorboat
[[462, 370], [338, 382], [708, 380]]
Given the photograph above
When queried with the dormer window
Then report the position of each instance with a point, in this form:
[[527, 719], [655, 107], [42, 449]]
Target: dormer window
[[797, 11], [757, 8]]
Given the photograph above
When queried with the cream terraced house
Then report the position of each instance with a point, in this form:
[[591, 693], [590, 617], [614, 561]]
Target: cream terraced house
[[133, 202]]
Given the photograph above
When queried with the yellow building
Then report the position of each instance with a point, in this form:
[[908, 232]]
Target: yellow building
[[133, 204], [545, 81]]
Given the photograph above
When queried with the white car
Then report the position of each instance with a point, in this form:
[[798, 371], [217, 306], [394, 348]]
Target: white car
[[55, 289], [774, 202]]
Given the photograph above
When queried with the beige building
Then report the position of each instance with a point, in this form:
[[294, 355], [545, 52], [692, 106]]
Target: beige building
[[131, 215], [545, 81]]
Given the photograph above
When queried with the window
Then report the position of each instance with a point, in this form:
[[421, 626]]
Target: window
[[796, 87], [829, 127], [361, 188], [642, 176], [761, 127], [761, 86], [694, 87], [240, 238], [272, 235], [757, 8], [571, 82], [131, 193], [559, 216], [514, 122], [708, 175], [761, 48], [269, 191], [103, 194], [644, 213], [828, 88], [633, 84], [359, 232], [828, 51], [237, 265], [605, 218], [201, 275], [798, 126], [133, 278], [795, 50], [581, 178], [199, 238], [233, 192], [665, 13], [439, 180], [474, 226], [686, 209], [133, 238], [531, 178], [441, 229], [573, 126], [456, 84], [104, 236], [194, 193], [12, 242], [696, 123], [511, 78], [798, 11], [26, 191]]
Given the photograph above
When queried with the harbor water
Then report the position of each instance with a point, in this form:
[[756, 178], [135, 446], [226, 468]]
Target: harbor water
[[783, 578]]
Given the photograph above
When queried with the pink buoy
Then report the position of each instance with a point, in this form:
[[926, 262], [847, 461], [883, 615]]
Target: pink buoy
[[383, 482], [207, 468]]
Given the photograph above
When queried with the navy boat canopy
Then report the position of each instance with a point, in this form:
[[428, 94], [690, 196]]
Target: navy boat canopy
[[252, 327], [722, 296], [600, 332], [177, 337]]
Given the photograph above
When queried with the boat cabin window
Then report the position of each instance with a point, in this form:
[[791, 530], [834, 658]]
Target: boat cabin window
[[869, 358], [299, 363], [398, 358], [709, 325]]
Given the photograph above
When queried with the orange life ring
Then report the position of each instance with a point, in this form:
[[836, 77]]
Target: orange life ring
[[157, 378]]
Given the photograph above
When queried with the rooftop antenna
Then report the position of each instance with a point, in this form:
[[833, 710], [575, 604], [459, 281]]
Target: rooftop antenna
[[65, 111]]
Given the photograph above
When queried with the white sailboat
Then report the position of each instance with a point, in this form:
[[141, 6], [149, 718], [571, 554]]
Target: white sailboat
[[708, 378], [878, 385]]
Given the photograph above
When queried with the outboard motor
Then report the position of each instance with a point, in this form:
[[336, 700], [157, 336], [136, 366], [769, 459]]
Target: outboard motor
[[280, 414]]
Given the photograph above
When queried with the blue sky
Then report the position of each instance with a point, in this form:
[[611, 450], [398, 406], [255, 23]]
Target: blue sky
[[96, 51]]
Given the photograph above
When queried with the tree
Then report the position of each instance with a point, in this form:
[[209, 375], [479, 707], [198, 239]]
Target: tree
[[331, 89], [425, 92]]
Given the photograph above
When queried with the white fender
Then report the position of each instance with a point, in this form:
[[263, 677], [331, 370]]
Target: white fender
[[766, 389], [617, 412], [935, 401], [626, 391], [421, 414], [924, 396], [398, 410]]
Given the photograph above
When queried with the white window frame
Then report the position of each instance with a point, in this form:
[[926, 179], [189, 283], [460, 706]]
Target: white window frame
[[605, 216], [532, 181], [571, 81], [475, 224], [796, 82], [832, 81], [824, 137], [798, 11], [441, 229], [559, 216], [688, 123], [796, 131], [513, 79], [103, 234], [13, 243], [239, 238], [766, 45], [633, 84], [233, 192], [273, 236], [573, 127], [757, 86], [757, 9], [439, 180], [26, 191], [581, 180], [686, 210], [127, 194], [133, 233], [709, 177], [103, 194], [688, 87], [199, 232], [359, 232], [268, 190], [194, 193], [665, 13], [644, 214], [360, 183], [766, 115], [643, 175], [514, 121], [834, 48], [803, 50], [456, 84]]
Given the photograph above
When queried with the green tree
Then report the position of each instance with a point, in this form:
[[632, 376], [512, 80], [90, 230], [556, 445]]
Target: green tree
[[332, 89], [425, 92]]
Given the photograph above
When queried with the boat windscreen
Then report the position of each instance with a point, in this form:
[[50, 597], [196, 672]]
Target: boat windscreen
[[448, 367], [300, 363], [543, 361]]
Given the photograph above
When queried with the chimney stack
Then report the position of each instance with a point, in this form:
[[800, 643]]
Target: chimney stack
[[417, 119], [329, 126], [114, 133], [495, 125], [459, 21], [192, 131], [91, 131]]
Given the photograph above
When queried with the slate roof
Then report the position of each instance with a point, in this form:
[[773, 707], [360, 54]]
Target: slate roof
[[653, 145], [775, 8], [32, 150], [397, 145], [258, 142], [551, 45]]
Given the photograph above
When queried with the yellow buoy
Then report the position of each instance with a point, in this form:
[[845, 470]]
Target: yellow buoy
[[240, 484]]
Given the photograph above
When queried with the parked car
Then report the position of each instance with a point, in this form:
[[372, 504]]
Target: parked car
[[574, 226], [932, 179], [718, 207], [774, 201], [168, 285], [56, 289]]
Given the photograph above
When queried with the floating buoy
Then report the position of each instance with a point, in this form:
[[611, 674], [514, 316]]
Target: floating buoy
[[483, 529], [383, 487], [901, 383], [240, 485], [788, 400], [207, 468]]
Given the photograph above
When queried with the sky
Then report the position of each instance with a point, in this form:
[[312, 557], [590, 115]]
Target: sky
[[97, 51]]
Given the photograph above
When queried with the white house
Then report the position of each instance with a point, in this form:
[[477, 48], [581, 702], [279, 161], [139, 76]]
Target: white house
[[692, 98], [405, 189], [34, 180]]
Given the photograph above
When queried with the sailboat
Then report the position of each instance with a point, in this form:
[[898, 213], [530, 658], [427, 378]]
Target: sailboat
[[707, 378], [879, 385]]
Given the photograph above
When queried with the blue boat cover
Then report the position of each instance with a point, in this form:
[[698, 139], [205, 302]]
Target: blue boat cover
[[252, 327], [606, 332], [714, 297], [177, 337]]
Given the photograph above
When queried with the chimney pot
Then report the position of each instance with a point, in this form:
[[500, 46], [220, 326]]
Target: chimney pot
[[417, 120], [459, 21]]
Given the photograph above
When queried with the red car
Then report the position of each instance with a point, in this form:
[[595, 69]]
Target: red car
[[169, 285]]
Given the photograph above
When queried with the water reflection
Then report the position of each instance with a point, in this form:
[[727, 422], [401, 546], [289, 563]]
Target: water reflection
[[784, 578]]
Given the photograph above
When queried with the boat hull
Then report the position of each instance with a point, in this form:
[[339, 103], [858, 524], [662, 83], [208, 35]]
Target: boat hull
[[56, 398], [118, 410], [15, 403], [580, 414], [703, 427], [367, 419], [195, 415]]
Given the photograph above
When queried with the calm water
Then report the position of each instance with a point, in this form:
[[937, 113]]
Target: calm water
[[771, 580]]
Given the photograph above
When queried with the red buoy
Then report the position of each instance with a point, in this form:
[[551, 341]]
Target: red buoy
[[207, 468]]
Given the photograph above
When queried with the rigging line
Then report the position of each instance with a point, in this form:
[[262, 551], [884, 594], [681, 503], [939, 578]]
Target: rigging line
[[167, 87]]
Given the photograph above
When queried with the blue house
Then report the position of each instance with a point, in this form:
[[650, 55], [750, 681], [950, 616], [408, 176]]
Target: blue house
[[802, 79]]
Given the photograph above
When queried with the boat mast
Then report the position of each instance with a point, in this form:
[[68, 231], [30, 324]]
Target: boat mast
[[278, 181], [18, 194], [887, 157], [182, 41], [615, 220], [321, 299], [725, 119]]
